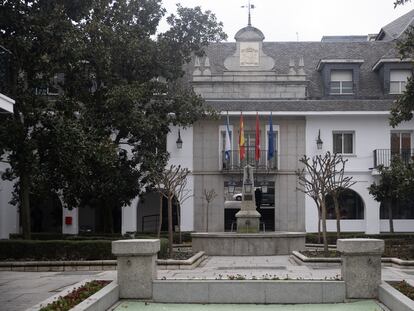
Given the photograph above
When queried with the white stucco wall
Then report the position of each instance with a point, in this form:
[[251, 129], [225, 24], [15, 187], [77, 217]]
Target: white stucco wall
[[371, 132], [6, 103], [183, 157], [74, 227]]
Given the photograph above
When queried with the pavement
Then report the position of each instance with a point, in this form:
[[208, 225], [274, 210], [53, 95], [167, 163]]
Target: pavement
[[21, 290]]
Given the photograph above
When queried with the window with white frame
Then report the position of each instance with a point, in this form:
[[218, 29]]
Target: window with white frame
[[341, 82], [398, 80], [343, 142]]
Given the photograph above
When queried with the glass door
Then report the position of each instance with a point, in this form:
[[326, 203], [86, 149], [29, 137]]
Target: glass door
[[401, 145]]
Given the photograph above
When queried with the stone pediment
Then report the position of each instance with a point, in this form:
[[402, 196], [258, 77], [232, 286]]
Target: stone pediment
[[249, 53]]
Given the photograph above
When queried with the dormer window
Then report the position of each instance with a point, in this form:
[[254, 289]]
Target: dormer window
[[398, 80], [340, 76], [341, 82]]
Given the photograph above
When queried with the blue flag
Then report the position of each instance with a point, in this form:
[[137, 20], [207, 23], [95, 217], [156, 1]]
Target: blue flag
[[228, 141], [271, 147]]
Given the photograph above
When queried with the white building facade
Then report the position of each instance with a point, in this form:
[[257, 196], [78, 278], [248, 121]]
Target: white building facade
[[340, 89]]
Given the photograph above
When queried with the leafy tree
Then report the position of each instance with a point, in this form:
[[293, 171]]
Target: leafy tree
[[36, 33], [97, 143], [396, 184], [404, 105]]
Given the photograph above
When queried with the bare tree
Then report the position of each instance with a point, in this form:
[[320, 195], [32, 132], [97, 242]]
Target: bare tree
[[337, 184], [209, 196], [314, 181], [324, 175], [182, 194], [310, 187], [170, 183]]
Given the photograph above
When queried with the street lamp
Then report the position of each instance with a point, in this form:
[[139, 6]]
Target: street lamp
[[179, 141], [248, 186], [231, 186], [319, 141]]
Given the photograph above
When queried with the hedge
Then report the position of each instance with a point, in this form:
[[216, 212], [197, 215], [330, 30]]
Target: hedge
[[57, 250], [185, 236], [399, 238]]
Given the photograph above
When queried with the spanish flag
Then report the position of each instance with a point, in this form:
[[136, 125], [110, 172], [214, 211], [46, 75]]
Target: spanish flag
[[241, 139]]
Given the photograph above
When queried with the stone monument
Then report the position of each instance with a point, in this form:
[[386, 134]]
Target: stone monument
[[248, 219]]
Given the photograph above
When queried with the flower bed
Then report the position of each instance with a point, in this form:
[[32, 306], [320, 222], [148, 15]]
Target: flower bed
[[404, 288], [75, 297]]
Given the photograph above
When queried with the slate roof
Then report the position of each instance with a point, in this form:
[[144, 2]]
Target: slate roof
[[301, 105], [370, 96], [313, 52], [344, 38], [397, 27]]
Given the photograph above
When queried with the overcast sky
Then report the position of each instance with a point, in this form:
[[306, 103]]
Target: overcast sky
[[282, 20]]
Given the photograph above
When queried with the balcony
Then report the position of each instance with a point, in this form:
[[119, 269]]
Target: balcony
[[384, 156], [233, 164]]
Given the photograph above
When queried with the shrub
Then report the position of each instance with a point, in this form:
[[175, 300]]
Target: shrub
[[55, 250], [62, 250], [163, 253]]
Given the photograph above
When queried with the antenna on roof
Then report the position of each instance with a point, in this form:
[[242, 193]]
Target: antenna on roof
[[249, 6]]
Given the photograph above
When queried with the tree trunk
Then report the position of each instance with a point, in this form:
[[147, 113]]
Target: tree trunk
[[180, 240], [108, 224], [319, 223], [338, 216], [390, 216], [207, 206], [25, 205], [170, 227], [160, 217], [325, 240]]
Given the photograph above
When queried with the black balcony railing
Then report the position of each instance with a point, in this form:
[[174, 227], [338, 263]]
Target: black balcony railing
[[384, 156], [233, 162]]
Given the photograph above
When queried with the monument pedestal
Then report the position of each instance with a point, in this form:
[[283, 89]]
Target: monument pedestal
[[248, 221]]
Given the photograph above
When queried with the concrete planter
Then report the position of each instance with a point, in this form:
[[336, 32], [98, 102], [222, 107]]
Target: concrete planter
[[95, 265], [101, 300], [322, 261], [394, 299], [248, 291], [187, 264]]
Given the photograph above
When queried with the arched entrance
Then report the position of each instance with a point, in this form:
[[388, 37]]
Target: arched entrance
[[350, 203]]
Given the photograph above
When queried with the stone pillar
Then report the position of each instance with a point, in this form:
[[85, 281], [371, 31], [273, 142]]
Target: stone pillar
[[361, 266], [136, 267], [248, 218]]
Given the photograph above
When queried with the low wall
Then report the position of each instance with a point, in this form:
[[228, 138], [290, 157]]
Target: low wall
[[393, 299], [248, 244], [248, 291]]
